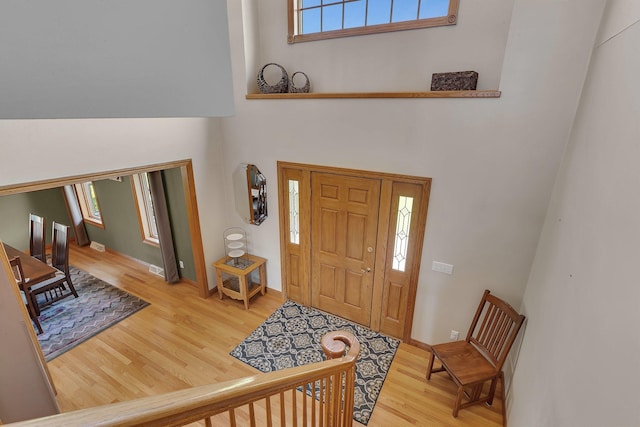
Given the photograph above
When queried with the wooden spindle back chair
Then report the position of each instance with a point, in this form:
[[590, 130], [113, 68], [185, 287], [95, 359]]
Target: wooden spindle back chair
[[16, 266], [56, 289], [479, 358], [37, 240]]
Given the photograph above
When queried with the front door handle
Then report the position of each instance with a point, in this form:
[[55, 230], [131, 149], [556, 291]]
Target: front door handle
[[368, 270]]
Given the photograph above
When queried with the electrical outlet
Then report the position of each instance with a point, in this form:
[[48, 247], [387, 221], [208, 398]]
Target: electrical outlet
[[181, 264], [454, 335], [442, 267]]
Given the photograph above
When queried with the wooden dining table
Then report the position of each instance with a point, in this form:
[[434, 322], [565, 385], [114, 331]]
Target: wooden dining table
[[34, 270]]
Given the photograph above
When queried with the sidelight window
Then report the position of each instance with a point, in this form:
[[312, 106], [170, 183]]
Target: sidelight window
[[403, 228], [294, 212]]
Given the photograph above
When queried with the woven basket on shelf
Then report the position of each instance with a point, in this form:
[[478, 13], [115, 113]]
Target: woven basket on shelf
[[281, 87], [301, 89]]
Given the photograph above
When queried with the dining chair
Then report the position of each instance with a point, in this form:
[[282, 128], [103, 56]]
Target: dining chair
[[16, 266], [37, 241], [479, 358], [54, 289]]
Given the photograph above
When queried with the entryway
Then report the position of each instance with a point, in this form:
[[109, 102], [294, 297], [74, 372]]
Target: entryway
[[351, 242]]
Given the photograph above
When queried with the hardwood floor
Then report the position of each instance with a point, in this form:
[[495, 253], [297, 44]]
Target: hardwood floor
[[182, 340]]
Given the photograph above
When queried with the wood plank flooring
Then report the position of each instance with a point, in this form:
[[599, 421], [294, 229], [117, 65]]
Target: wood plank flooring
[[182, 340]]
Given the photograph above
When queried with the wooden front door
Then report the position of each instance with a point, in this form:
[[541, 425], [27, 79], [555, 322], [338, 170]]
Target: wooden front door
[[351, 242], [344, 220]]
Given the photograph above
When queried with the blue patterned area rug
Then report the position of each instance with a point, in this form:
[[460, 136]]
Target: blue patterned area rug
[[72, 321], [291, 337]]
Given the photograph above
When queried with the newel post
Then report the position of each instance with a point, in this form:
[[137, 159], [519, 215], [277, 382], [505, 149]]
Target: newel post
[[334, 344]]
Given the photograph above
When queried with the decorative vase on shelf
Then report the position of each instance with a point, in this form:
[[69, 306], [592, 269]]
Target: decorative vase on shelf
[[295, 87], [235, 247], [282, 86]]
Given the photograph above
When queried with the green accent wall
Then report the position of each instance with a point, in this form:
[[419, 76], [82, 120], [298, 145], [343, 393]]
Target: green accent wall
[[15, 209], [122, 231]]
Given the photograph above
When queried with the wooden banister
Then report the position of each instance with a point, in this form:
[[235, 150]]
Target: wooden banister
[[279, 397]]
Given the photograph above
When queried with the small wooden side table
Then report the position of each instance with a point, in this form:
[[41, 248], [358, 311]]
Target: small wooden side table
[[239, 285]]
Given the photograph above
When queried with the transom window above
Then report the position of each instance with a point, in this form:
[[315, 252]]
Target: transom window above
[[322, 19]]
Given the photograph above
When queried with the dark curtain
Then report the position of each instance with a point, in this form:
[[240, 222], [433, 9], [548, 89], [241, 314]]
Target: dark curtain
[[164, 227], [79, 230]]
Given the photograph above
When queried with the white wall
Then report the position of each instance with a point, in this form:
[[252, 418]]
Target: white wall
[[399, 61], [493, 161], [579, 364]]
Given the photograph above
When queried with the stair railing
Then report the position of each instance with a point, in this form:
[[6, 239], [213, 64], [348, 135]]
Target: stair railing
[[315, 395]]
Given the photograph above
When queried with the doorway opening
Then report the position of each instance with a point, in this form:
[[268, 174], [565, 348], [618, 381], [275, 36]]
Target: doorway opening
[[188, 186]]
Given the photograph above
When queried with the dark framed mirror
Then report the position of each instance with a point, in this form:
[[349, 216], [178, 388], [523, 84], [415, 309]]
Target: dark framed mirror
[[250, 188]]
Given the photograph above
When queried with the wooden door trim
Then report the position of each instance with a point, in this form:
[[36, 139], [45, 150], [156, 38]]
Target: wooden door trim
[[384, 223], [305, 218], [396, 319], [188, 184], [415, 272], [353, 172]]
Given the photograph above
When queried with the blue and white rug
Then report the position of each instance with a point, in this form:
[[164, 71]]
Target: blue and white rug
[[291, 337], [72, 321]]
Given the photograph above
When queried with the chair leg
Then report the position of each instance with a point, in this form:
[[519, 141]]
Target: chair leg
[[33, 301], [477, 391], [38, 325], [456, 406], [34, 317], [71, 287], [492, 390], [430, 365]]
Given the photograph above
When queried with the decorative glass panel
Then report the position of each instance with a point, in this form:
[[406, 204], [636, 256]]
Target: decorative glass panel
[[403, 226], [294, 212]]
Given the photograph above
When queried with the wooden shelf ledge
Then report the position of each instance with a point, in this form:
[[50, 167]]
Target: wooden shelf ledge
[[368, 95]]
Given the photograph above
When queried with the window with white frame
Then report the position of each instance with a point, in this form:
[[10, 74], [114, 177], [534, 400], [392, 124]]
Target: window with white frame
[[144, 204], [322, 19], [89, 203]]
